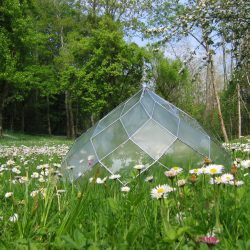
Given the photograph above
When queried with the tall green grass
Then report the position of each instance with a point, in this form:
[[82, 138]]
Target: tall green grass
[[99, 216]]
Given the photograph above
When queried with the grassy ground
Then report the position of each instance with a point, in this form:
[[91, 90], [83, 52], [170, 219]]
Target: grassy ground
[[18, 139], [40, 211]]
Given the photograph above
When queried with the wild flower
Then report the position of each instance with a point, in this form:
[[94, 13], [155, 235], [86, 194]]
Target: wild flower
[[125, 189], [13, 218], [236, 183], [194, 171], [34, 193], [178, 170], [139, 167], [101, 181], [245, 164], [8, 194], [214, 169], [149, 178], [193, 178], [216, 180], [207, 161], [114, 176], [234, 169], [57, 165], [10, 163], [23, 179], [181, 183], [41, 179], [16, 170], [171, 173], [35, 175], [161, 191], [226, 178], [209, 240]]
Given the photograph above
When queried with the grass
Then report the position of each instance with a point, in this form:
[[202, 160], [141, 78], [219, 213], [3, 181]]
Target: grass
[[93, 216], [18, 139]]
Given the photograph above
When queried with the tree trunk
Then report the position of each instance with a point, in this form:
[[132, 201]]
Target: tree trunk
[[4, 88], [1, 122], [239, 111], [92, 118], [71, 119], [22, 119], [217, 98], [67, 114], [224, 62], [48, 116]]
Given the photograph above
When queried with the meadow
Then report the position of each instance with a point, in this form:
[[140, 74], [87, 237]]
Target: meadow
[[186, 207]]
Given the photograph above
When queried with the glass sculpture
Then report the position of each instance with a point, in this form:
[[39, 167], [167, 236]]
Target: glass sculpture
[[144, 130]]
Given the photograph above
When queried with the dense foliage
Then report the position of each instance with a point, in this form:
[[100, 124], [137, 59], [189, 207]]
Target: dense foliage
[[65, 64]]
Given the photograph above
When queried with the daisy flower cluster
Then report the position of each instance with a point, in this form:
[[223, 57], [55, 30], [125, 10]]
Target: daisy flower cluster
[[217, 175], [13, 151], [243, 147]]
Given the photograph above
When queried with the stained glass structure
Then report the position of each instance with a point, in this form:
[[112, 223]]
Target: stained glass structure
[[145, 129]]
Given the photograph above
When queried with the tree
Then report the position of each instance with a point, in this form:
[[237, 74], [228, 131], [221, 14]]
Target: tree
[[16, 39]]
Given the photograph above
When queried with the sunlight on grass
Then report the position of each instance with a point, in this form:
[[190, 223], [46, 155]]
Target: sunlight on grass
[[206, 206]]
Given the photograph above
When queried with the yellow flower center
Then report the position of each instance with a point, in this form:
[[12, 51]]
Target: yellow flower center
[[160, 190], [176, 168], [213, 170]]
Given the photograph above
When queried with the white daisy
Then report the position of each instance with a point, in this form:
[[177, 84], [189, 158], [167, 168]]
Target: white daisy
[[216, 180], [16, 170], [176, 169], [8, 194], [149, 178], [226, 178], [245, 164], [139, 167], [125, 189], [13, 218], [161, 191], [214, 169], [171, 173], [35, 175], [181, 183], [101, 181], [236, 183], [114, 176]]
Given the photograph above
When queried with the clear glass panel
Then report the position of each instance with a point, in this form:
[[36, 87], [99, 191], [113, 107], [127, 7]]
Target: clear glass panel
[[124, 158], [175, 110], [132, 101], [109, 118], [189, 120], [134, 119], [166, 119], [148, 102], [153, 139], [157, 171], [179, 154], [219, 155], [109, 139], [90, 177], [160, 100], [194, 138], [81, 160]]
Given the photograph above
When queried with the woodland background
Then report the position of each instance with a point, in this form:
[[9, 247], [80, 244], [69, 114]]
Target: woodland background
[[65, 64]]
